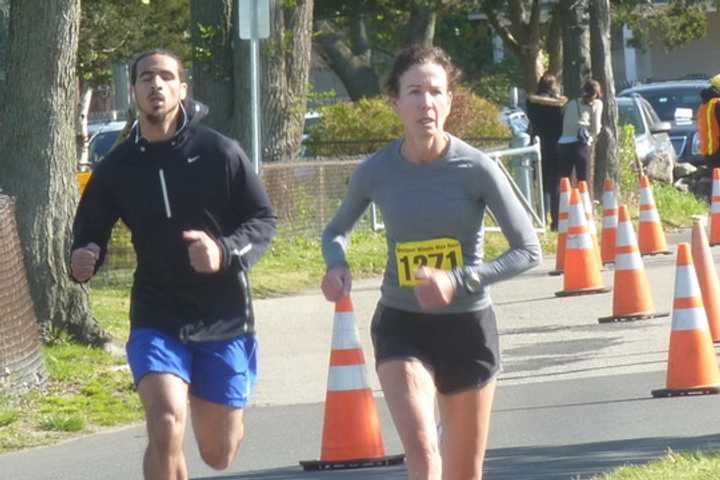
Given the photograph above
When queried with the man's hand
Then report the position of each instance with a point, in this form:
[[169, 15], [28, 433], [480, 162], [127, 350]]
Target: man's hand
[[204, 252], [435, 288], [83, 261], [336, 283]]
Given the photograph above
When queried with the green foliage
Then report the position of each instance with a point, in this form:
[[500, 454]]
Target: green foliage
[[674, 466], [348, 128], [675, 24], [7, 416], [358, 128], [495, 80], [63, 423], [677, 208], [627, 182], [474, 117], [468, 43], [117, 31]]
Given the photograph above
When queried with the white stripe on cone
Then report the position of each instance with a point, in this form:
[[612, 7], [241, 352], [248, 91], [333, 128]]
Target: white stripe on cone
[[687, 284], [646, 196], [345, 332], [628, 261], [347, 377], [649, 215], [690, 319]]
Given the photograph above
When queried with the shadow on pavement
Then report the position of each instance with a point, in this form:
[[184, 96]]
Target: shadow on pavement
[[527, 463]]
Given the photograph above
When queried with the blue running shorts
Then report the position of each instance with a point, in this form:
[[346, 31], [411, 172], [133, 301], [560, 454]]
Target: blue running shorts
[[221, 372]]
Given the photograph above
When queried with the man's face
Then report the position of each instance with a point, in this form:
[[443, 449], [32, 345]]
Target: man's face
[[158, 88]]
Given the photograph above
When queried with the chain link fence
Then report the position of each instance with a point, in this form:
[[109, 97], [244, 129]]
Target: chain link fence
[[21, 366], [304, 195]]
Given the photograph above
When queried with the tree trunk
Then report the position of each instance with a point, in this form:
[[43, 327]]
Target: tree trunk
[[352, 63], [421, 26], [286, 67], [532, 67], [576, 46], [553, 44], [37, 157], [81, 129], [212, 38], [523, 36], [606, 149], [222, 74]]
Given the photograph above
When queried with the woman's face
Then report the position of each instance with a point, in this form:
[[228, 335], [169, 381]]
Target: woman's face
[[423, 101]]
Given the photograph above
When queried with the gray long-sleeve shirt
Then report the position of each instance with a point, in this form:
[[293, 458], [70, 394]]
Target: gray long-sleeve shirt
[[445, 199]]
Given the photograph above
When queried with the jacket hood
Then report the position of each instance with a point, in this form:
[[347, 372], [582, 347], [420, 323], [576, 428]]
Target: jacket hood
[[547, 100], [195, 111], [709, 93]]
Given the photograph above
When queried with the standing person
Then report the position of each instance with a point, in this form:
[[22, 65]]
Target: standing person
[[544, 110], [434, 331], [199, 218], [581, 125], [708, 124]]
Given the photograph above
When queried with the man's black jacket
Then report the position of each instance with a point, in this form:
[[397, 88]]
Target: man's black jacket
[[198, 180]]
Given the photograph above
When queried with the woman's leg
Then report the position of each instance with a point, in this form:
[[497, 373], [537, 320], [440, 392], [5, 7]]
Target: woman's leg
[[409, 391], [582, 161], [465, 419]]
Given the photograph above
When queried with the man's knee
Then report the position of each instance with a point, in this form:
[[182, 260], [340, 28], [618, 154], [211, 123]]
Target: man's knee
[[165, 431], [219, 454]]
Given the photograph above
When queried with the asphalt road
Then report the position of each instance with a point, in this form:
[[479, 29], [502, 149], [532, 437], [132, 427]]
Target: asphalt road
[[573, 400]]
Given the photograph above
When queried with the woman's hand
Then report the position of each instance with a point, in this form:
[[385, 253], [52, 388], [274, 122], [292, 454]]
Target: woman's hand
[[435, 288], [336, 283]]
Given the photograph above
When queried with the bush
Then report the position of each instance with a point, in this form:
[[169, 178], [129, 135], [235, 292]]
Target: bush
[[362, 127], [494, 82]]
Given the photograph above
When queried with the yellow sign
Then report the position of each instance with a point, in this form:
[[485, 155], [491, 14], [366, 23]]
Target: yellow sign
[[82, 179], [442, 253]]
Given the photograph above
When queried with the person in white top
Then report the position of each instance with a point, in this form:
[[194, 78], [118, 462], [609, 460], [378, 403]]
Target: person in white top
[[581, 125]]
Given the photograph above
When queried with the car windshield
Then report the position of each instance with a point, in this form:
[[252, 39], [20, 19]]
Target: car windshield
[[666, 101], [101, 144], [628, 114]]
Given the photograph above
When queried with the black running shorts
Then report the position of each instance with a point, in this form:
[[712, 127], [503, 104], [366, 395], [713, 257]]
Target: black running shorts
[[462, 349]]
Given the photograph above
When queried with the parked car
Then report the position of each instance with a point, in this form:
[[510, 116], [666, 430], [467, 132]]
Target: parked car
[[676, 102], [651, 133], [102, 138]]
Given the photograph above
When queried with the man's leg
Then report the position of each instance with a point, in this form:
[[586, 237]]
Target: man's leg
[[218, 430], [223, 377], [164, 397]]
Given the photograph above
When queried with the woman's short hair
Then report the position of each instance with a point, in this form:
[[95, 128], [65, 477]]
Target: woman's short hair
[[156, 51], [591, 90], [418, 55]]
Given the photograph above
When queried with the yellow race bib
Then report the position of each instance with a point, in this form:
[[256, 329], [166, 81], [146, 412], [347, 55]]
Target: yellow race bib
[[442, 253]]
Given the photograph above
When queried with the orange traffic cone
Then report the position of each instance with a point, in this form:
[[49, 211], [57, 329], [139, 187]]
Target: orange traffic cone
[[707, 277], [582, 264], [715, 209], [610, 222], [352, 437], [589, 214], [650, 233], [692, 368], [563, 208], [631, 291]]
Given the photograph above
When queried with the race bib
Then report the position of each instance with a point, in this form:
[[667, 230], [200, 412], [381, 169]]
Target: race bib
[[442, 253]]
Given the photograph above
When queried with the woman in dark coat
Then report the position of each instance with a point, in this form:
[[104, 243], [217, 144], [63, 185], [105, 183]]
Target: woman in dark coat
[[546, 117]]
